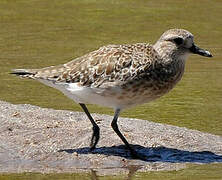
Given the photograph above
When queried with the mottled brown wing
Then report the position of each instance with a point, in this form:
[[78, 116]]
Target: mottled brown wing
[[113, 63]]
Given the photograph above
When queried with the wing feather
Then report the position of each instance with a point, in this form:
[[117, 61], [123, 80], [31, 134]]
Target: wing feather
[[112, 63]]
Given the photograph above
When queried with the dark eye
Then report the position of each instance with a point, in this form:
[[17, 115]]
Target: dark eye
[[178, 41]]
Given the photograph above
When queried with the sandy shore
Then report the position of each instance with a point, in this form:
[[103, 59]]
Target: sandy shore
[[34, 139]]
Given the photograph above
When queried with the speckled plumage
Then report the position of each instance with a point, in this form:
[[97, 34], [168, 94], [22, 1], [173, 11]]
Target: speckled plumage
[[133, 74], [107, 64], [121, 76]]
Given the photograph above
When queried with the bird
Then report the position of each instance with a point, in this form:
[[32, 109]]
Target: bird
[[121, 76]]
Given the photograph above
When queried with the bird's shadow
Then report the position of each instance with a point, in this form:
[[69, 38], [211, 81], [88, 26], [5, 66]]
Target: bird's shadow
[[153, 154]]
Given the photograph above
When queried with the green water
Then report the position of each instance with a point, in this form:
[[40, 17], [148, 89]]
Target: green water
[[193, 172], [38, 33]]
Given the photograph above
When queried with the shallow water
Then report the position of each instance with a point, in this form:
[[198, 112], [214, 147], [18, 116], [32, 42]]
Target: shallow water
[[192, 172], [41, 33]]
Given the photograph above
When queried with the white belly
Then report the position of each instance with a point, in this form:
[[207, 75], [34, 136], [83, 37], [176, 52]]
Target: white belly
[[113, 97], [90, 95], [86, 95]]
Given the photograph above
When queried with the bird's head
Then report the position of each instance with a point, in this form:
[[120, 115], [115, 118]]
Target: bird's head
[[178, 43]]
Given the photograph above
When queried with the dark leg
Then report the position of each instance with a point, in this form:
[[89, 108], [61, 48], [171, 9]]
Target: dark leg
[[116, 129], [95, 135]]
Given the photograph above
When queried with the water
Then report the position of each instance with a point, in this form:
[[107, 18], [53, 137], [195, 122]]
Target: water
[[43, 33], [193, 172]]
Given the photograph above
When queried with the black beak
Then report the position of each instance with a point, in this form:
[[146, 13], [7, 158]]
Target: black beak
[[196, 50]]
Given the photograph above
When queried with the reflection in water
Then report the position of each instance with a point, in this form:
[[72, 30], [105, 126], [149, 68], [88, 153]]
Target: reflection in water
[[206, 172], [132, 169], [93, 175]]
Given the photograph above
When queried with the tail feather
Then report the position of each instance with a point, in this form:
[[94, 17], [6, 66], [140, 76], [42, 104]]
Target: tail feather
[[48, 73], [24, 72]]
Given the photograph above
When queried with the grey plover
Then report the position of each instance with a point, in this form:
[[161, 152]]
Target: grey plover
[[121, 76]]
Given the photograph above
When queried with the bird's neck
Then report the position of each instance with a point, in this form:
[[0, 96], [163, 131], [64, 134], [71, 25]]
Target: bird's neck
[[169, 53], [172, 61], [165, 50]]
